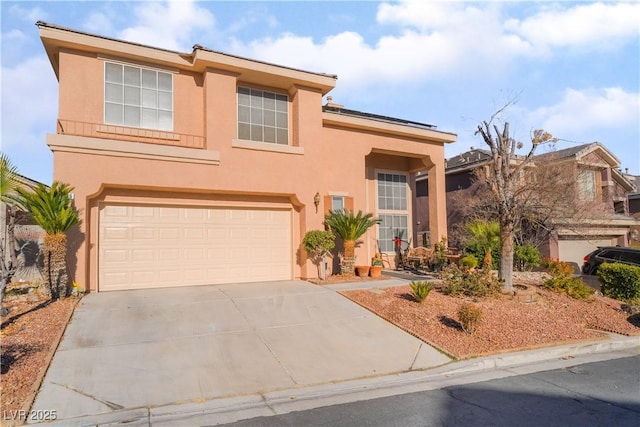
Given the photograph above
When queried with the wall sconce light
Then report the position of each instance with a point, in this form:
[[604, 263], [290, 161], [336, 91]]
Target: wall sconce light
[[316, 201]]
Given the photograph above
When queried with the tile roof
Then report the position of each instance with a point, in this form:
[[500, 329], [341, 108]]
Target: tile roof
[[473, 157]]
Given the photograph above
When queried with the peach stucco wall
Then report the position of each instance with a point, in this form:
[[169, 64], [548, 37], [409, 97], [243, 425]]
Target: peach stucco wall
[[321, 158]]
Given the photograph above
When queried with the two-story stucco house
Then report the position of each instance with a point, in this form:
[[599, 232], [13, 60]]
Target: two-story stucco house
[[200, 167], [599, 187]]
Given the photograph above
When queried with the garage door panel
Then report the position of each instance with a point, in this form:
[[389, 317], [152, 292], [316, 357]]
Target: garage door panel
[[141, 255], [139, 211], [140, 233], [117, 279], [117, 212], [575, 250], [159, 246]]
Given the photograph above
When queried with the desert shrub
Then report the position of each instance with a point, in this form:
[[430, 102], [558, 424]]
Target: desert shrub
[[470, 316], [478, 250], [620, 281], [526, 257], [572, 286], [475, 283], [318, 242], [484, 243], [557, 267], [469, 261], [420, 290], [563, 281]]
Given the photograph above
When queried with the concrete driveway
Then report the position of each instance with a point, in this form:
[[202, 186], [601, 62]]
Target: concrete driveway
[[158, 347]]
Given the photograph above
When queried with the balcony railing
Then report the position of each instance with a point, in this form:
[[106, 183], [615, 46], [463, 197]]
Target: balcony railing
[[123, 133]]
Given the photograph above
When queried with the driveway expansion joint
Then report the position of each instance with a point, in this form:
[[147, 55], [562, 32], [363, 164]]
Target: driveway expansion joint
[[110, 405]]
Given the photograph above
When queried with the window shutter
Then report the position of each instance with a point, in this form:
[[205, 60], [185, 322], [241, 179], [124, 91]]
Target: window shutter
[[348, 203], [328, 201]]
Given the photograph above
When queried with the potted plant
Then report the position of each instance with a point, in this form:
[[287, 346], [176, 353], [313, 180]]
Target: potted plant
[[350, 228], [440, 254], [362, 270], [318, 243], [376, 266]]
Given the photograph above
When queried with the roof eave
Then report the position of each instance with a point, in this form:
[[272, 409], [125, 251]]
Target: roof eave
[[362, 123]]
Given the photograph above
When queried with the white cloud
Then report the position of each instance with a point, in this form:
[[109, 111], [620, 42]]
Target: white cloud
[[581, 112], [29, 100], [30, 15], [14, 36], [255, 16], [168, 25], [589, 25], [98, 23]]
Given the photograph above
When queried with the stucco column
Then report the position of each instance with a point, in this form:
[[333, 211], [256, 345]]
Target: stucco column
[[437, 200]]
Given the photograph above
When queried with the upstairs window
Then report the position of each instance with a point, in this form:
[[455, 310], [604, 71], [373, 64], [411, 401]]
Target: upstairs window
[[587, 185], [263, 116], [138, 97], [618, 207]]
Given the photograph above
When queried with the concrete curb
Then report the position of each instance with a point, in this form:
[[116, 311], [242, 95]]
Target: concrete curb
[[231, 409]]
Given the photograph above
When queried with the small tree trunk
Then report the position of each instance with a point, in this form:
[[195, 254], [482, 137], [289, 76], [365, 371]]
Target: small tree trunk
[[506, 258], [349, 249], [348, 263], [323, 267], [55, 264]]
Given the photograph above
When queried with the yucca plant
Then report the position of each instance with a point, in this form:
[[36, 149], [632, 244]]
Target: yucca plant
[[52, 210], [349, 228], [420, 290]]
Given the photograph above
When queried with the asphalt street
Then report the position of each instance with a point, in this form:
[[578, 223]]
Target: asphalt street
[[603, 393]]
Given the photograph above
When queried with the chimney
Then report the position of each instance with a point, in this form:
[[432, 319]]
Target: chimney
[[330, 103], [626, 170]]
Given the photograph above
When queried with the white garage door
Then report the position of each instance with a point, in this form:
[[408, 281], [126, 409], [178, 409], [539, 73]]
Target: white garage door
[[162, 246], [575, 250]]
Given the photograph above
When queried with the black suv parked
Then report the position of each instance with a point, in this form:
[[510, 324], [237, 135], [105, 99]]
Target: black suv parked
[[610, 254]]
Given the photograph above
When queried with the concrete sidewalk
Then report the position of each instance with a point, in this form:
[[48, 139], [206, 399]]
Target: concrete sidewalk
[[276, 348]]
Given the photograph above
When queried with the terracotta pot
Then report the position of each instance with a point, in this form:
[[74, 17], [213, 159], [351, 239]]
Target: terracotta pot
[[375, 271], [362, 270]]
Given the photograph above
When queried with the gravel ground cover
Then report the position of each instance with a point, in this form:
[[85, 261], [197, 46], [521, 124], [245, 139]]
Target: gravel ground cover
[[30, 333], [507, 323]]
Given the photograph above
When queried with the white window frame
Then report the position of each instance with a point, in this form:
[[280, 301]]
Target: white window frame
[[159, 101], [338, 195], [387, 243], [263, 123]]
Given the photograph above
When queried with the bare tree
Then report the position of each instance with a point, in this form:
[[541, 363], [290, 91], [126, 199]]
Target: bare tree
[[505, 180]]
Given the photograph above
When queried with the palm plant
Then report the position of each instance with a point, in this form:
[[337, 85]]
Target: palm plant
[[52, 210], [8, 185], [349, 228], [486, 237]]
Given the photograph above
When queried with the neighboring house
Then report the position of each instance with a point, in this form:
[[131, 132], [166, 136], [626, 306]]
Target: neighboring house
[[599, 186], [202, 168], [633, 198], [28, 238], [634, 208]]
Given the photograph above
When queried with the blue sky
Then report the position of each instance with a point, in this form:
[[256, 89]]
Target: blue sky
[[574, 66]]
